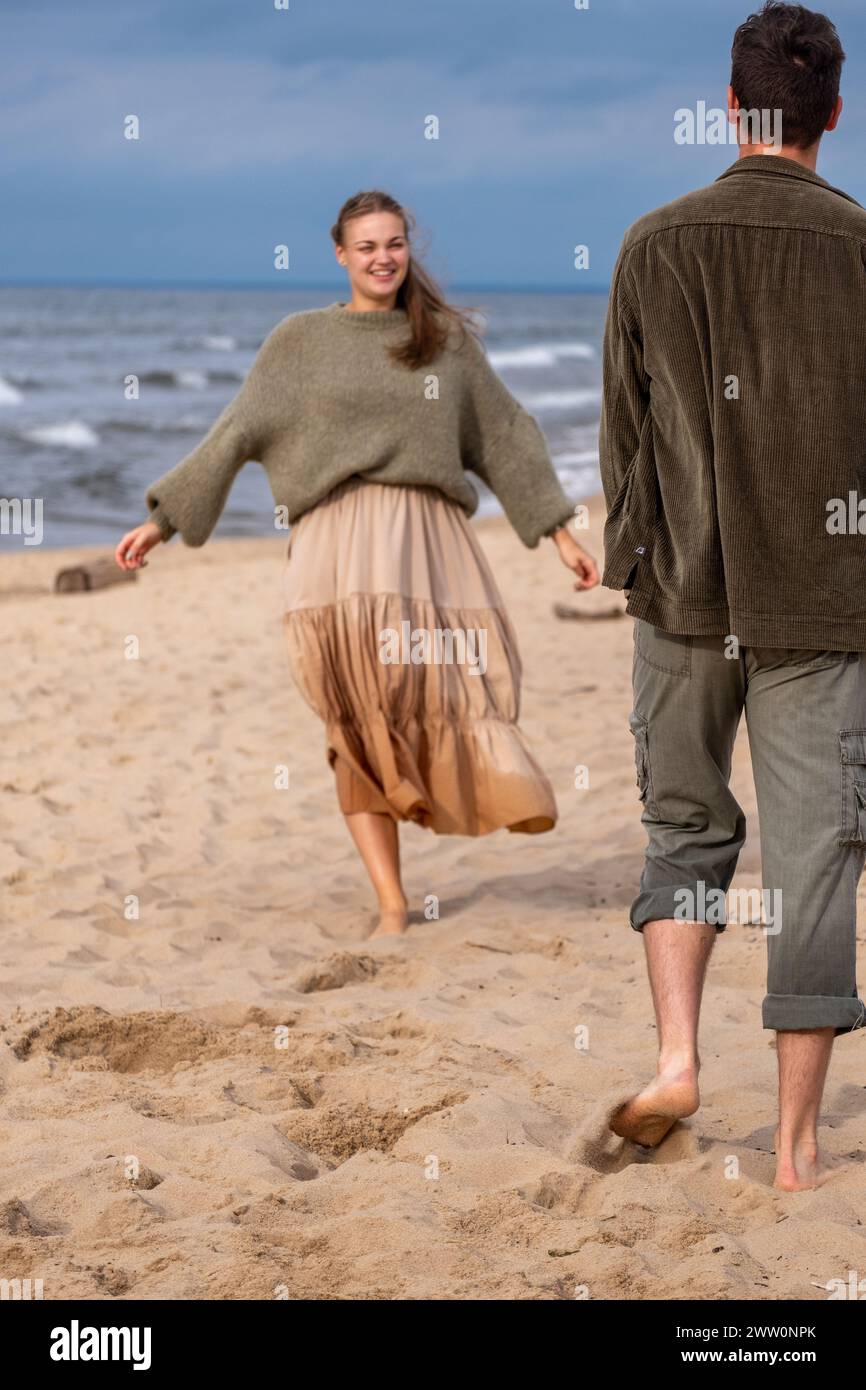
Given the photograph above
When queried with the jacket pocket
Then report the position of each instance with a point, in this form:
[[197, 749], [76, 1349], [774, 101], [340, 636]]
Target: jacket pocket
[[620, 501], [633, 515], [853, 755]]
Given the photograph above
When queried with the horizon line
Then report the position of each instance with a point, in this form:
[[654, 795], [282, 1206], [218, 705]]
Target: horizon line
[[330, 287]]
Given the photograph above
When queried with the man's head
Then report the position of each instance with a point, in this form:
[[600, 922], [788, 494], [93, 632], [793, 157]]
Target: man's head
[[787, 58]]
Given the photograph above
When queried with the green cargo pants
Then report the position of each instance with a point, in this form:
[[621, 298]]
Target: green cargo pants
[[806, 717]]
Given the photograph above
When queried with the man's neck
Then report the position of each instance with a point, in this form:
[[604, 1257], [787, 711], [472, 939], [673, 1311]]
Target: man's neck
[[807, 157]]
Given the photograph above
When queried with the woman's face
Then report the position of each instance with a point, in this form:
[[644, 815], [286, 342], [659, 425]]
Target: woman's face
[[376, 254]]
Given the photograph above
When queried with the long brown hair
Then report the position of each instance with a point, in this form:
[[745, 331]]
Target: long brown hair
[[429, 314]]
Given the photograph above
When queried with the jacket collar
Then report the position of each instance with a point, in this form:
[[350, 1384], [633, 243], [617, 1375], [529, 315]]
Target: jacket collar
[[782, 168]]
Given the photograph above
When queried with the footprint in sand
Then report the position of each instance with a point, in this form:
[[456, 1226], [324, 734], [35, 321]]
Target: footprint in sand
[[338, 970]]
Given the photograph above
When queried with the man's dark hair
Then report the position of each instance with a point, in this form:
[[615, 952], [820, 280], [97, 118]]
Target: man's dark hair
[[788, 58]]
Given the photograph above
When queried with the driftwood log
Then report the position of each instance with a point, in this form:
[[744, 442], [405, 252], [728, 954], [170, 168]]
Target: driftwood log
[[597, 615], [92, 574]]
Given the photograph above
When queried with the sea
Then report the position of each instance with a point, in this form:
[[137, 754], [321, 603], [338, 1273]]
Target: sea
[[69, 436]]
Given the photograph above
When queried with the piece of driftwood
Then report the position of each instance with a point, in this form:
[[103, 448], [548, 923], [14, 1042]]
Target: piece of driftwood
[[565, 611], [94, 574]]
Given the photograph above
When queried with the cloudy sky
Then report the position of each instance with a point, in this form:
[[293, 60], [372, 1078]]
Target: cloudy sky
[[555, 128]]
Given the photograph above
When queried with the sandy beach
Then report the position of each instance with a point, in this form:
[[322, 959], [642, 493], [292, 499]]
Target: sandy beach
[[213, 1087]]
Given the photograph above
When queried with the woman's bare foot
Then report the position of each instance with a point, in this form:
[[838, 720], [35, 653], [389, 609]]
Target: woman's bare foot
[[393, 920], [802, 1168], [673, 1094]]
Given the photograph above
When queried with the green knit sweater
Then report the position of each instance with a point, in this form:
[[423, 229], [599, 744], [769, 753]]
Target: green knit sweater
[[323, 402]]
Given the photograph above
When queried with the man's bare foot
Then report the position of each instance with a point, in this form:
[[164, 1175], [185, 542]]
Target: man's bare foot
[[802, 1168], [647, 1117], [393, 921]]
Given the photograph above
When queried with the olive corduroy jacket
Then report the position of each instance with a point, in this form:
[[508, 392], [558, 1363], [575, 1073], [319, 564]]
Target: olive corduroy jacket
[[733, 433]]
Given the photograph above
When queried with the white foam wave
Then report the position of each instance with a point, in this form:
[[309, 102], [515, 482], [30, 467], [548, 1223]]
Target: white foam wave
[[539, 355], [219, 342], [576, 458], [9, 394], [71, 434], [196, 380], [562, 400], [189, 377]]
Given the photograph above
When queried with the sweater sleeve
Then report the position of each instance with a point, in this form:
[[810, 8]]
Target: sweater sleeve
[[625, 392], [190, 498], [504, 445]]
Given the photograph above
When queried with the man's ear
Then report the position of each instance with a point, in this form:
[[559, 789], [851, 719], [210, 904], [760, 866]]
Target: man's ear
[[733, 107], [837, 112]]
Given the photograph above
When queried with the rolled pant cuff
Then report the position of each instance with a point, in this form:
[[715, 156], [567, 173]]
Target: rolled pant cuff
[[659, 904], [792, 1011]]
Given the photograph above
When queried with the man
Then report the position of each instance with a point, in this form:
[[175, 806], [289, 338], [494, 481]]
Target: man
[[733, 450]]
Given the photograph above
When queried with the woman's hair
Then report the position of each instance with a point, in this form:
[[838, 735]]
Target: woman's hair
[[429, 314]]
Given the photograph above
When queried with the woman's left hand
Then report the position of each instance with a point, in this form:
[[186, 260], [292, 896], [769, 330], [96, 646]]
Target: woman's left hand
[[577, 559]]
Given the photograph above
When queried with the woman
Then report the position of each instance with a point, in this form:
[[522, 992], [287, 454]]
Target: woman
[[365, 416]]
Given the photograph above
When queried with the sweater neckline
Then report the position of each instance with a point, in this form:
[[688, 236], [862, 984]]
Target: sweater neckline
[[367, 318]]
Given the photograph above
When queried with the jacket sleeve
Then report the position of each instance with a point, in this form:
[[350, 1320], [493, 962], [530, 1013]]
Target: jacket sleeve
[[190, 498], [504, 445], [625, 388]]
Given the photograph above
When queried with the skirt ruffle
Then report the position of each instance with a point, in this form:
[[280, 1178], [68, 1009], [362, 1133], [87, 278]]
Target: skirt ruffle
[[399, 641]]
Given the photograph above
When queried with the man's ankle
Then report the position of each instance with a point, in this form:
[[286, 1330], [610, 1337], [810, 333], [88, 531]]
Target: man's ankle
[[678, 1060], [804, 1142]]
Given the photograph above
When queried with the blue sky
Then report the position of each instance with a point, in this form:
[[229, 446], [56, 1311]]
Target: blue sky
[[556, 128]]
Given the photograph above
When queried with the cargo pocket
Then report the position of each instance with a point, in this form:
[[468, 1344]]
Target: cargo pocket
[[853, 754], [640, 730]]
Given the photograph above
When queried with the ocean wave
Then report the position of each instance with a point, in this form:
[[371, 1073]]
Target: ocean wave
[[210, 342], [130, 424], [539, 354], [71, 434], [183, 377], [28, 383], [225, 374], [9, 394], [579, 457], [577, 399], [187, 378]]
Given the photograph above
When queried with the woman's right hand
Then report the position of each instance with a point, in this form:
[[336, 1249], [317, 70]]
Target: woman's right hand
[[135, 544], [575, 558]]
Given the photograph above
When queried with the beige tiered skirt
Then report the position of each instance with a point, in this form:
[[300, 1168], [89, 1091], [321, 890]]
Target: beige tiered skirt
[[398, 639]]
